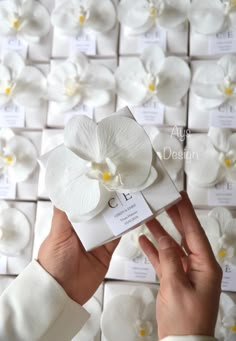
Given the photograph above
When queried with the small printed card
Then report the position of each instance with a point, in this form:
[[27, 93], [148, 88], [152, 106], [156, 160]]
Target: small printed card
[[124, 211], [79, 110], [229, 278], [140, 270], [222, 43], [12, 116], [156, 35], [3, 265], [86, 43], [223, 117], [14, 44], [151, 112], [7, 189], [222, 195]]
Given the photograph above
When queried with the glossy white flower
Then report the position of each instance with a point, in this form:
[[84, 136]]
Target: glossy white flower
[[18, 156], [226, 322], [77, 81], [134, 316], [215, 84], [96, 160], [220, 228], [212, 16], [15, 230], [140, 16], [153, 75], [215, 158], [25, 19], [74, 16], [24, 85]]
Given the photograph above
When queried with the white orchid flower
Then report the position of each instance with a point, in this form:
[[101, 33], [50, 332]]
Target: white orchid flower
[[216, 159], [220, 227], [215, 84], [134, 316], [15, 230], [152, 75], [25, 19], [18, 156], [226, 322], [141, 15], [23, 85], [96, 160], [212, 16], [77, 81], [74, 16]]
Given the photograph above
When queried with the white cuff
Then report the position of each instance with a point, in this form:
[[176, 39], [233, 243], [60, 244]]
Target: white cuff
[[189, 338], [35, 307]]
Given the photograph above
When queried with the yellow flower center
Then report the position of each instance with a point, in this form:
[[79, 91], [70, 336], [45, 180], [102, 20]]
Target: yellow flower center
[[233, 328], [142, 332], [222, 253], [81, 19], [151, 87], [7, 90], [228, 163], [9, 159], [153, 12], [16, 23], [106, 176], [228, 90]]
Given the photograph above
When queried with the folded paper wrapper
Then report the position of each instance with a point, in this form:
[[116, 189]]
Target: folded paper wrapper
[[56, 119], [106, 43], [177, 42], [113, 289], [39, 52], [160, 195], [199, 119], [15, 265], [28, 189]]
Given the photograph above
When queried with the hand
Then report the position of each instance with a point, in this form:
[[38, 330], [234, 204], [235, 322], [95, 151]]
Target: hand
[[190, 285], [62, 255]]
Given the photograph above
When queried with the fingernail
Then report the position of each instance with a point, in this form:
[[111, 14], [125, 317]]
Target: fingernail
[[165, 243]]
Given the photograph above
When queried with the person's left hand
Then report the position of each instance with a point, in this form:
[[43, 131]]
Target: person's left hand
[[62, 255]]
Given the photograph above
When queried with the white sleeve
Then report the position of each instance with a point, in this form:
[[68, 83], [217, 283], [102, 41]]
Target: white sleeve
[[189, 338], [35, 307]]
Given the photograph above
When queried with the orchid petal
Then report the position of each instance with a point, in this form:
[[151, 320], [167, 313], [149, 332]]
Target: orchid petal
[[102, 18], [128, 31], [127, 248], [69, 103], [212, 230], [227, 63], [230, 230], [15, 63], [4, 99], [150, 180], [80, 61], [6, 134], [133, 14], [220, 138], [5, 10], [153, 58], [232, 142], [63, 17], [231, 174], [145, 294], [95, 97], [204, 103], [226, 304], [222, 215], [174, 13], [5, 73], [3, 205], [99, 76], [174, 81]]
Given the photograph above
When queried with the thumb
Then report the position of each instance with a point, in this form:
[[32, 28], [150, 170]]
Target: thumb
[[170, 261], [61, 225]]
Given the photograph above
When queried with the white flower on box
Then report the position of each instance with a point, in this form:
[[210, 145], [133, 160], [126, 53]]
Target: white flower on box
[[77, 81], [141, 15], [22, 84], [73, 17], [25, 19], [18, 156], [134, 316], [212, 16], [15, 230], [153, 76], [215, 84], [219, 226], [215, 159], [226, 322], [96, 160]]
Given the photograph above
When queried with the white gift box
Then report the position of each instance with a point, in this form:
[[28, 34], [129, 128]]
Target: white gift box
[[58, 119], [37, 52], [5, 281], [14, 265], [106, 44], [172, 41], [199, 120], [51, 138], [15, 116], [26, 190], [154, 113], [114, 289]]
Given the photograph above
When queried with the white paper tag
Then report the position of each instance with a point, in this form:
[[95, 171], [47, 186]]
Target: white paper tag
[[7, 189], [151, 112], [222, 195], [125, 211], [3, 265], [140, 271], [12, 116], [77, 111], [14, 44], [223, 117], [222, 43], [85, 43], [229, 278], [157, 35]]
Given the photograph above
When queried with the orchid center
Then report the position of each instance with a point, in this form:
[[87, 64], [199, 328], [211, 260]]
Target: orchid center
[[153, 82], [15, 21], [8, 159], [72, 86], [143, 328], [233, 328], [228, 159], [229, 5], [83, 15], [228, 88], [7, 90], [222, 253], [155, 9], [106, 176]]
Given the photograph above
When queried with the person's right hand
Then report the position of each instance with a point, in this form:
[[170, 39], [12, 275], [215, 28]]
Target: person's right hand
[[190, 285]]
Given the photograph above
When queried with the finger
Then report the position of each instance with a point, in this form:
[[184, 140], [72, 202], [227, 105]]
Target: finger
[[174, 215], [111, 246], [151, 253], [60, 224]]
